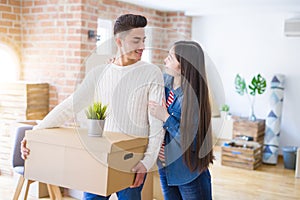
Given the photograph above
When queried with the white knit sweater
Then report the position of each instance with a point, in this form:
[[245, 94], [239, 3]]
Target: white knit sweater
[[126, 90]]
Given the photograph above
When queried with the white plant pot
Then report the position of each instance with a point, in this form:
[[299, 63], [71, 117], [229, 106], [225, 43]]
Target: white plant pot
[[224, 114], [95, 127]]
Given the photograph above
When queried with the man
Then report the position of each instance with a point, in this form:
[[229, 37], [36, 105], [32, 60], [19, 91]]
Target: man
[[126, 86]]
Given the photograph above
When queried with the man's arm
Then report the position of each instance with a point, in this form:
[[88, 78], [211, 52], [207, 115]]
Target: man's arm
[[81, 98], [156, 132]]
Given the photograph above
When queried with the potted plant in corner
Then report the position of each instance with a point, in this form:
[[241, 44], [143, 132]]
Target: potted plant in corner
[[96, 115], [258, 86], [224, 110]]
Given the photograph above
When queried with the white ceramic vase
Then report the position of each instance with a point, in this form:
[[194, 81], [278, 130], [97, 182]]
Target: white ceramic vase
[[95, 127]]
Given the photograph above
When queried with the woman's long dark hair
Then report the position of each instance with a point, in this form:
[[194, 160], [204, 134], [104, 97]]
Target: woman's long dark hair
[[195, 124]]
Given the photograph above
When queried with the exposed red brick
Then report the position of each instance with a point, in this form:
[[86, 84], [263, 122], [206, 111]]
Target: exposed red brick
[[9, 16], [5, 8], [74, 38], [40, 2], [3, 30], [14, 2], [75, 1], [37, 10], [47, 23], [27, 3], [54, 1], [76, 8], [17, 10], [5, 23], [14, 31]]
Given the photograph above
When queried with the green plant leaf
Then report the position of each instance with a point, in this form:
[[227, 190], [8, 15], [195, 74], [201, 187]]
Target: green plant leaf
[[258, 85], [240, 85], [96, 111], [225, 108]]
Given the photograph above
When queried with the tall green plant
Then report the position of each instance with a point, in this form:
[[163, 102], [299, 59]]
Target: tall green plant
[[96, 111], [258, 86]]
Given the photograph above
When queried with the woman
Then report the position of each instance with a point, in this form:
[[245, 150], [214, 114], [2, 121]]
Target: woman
[[187, 149]]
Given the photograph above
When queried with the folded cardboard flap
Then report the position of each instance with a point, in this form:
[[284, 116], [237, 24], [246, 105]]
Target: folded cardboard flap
[[68, 157], [78, 138]]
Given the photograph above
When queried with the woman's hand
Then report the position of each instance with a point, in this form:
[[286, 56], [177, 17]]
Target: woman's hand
[[158, 111]]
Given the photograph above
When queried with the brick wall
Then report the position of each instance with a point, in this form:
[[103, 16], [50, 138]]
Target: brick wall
[[50, 37], [10, 25], [51, 43], [10, 36]]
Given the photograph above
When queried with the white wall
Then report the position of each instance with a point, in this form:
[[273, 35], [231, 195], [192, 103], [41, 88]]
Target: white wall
[[251, 44]]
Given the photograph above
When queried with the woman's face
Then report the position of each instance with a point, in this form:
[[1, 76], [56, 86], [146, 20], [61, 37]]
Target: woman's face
[[171, 63]]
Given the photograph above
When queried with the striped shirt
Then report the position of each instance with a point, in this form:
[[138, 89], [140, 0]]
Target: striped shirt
[[161, 154]]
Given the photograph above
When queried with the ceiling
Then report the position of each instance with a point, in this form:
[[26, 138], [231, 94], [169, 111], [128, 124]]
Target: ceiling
[[209, 7]]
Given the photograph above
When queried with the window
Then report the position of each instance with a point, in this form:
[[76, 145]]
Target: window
[[148, 45], [105, 42], [9, 64]]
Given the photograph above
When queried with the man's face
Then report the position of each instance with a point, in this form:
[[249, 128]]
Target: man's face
[[133, 44]]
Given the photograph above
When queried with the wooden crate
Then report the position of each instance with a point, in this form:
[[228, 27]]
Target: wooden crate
[[245, 127], [236, 154], [24, 101]]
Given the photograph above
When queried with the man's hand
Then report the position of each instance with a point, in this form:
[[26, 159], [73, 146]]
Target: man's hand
[[24, 150], [140, 171], [158, 111]]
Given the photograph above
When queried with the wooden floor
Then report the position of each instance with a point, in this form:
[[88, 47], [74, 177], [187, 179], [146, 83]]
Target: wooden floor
[[266, 183]]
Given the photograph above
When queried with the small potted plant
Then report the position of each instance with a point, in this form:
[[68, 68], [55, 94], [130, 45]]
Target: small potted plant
[[258, 86], [224, 110], [96, 115]]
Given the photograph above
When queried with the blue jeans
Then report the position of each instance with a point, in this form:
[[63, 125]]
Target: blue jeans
[[198, 189], [126, 194]]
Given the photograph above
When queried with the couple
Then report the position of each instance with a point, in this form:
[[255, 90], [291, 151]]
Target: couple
[[178, 128]]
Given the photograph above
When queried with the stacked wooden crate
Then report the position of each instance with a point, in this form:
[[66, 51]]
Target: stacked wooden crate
[[242, 154], [19, 101], [251, 129], [238, 155]]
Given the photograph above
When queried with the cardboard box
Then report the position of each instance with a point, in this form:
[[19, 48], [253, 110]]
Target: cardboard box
[[68, 157]]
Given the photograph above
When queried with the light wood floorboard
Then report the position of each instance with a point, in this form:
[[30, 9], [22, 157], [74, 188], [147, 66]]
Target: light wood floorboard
[[267, 182]]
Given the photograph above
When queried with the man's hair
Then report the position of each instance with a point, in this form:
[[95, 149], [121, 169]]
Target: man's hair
[[129, 21]]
